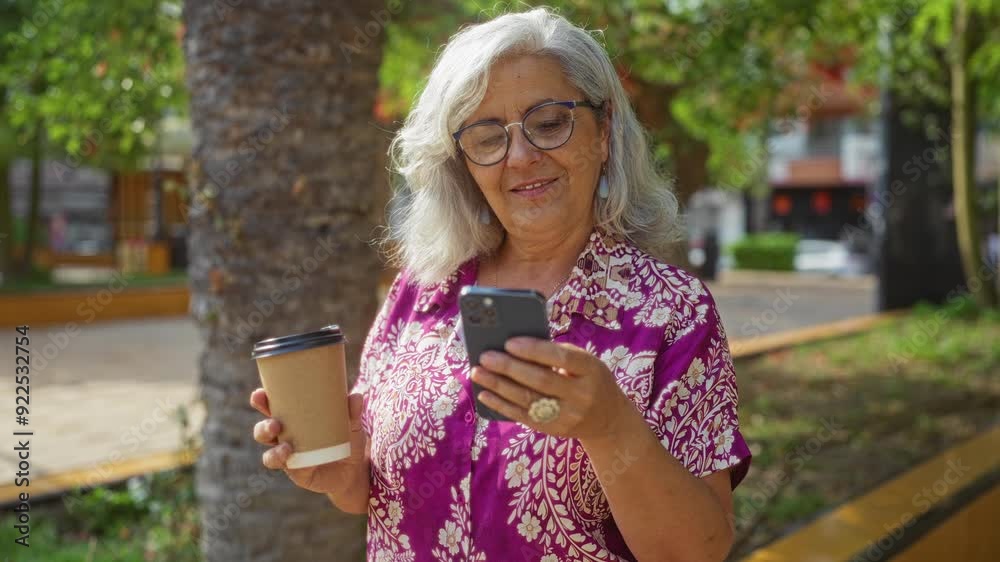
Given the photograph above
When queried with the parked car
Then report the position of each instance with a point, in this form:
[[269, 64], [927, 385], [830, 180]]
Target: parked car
[[830, 257]]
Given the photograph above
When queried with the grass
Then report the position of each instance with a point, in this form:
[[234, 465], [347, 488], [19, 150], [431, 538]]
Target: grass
[[151, 518], [41, 281], [896, 396], [46, 545]]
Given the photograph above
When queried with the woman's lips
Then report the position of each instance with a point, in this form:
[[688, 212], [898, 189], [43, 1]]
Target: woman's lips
[[535, 192]]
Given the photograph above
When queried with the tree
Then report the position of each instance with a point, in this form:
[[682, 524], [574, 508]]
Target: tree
[[947, 52], [11, 13], [281, 103], [967, 38], [84, 83]]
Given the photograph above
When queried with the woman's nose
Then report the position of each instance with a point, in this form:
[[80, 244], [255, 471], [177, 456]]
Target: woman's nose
[[521, 151]]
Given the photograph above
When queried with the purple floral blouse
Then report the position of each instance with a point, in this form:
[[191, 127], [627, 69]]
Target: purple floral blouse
[[449, 485]]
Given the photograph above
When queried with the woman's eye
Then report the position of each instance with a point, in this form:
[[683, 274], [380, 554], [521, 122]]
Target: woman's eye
[[549, 126], [490, 142]]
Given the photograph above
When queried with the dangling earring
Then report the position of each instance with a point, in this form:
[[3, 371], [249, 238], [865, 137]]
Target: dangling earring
[[484, 215], [603, 189]]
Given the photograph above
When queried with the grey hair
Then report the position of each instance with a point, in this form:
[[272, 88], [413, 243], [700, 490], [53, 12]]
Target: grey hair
[[434, 223]]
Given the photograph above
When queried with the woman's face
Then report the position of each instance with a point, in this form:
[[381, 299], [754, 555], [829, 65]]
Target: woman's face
[[571, 170]]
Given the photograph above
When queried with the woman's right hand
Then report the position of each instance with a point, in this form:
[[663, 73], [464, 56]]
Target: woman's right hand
[[329, 478]]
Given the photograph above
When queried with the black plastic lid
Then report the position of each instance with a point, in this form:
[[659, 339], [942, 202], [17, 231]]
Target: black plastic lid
[[297, 342]]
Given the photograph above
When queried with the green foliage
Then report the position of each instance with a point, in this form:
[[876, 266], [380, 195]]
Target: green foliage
[[47, 545], [152, 518], [946, 340], [103, 512], [793, 507], [940, 338], [35, 276], [912, 40], [21, 233], [722, 63], [768, 251], [962, 308], [41, 281], [724, 66], [97, 75]]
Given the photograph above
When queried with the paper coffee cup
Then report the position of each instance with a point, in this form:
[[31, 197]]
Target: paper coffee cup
[[305, 376]]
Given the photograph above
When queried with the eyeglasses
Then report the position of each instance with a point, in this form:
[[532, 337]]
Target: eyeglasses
[[546, 126]]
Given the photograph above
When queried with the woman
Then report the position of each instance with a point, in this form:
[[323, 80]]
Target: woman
[[529, 170]]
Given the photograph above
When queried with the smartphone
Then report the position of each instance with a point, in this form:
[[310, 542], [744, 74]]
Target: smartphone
[[492, 316]]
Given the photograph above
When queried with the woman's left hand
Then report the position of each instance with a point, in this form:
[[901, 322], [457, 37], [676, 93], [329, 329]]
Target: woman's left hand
[[591, 405]]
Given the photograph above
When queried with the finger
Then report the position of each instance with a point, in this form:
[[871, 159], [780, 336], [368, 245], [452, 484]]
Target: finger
[[259, 401], [276, 458], [266, 431], [540, 379], [544, 352], [504, 407], [356, 406], [505, 388]]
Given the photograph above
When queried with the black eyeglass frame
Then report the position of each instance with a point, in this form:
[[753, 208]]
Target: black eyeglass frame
[[572, 104]]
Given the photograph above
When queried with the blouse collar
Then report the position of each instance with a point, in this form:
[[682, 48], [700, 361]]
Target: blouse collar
[[596, 287]]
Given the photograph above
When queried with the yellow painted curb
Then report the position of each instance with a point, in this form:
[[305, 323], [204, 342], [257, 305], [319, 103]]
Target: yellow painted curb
[[969, 535], [62, 482], [851, 528], [749, 347], [84, 307]]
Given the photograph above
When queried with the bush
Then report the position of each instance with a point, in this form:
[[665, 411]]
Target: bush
[[103, 511], [20, 228], [772, 251], [155, 514]]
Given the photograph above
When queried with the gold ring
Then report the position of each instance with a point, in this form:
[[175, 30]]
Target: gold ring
[[544, 410]]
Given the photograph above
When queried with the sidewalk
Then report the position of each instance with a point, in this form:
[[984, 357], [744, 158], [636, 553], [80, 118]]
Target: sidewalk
[[110, 394]]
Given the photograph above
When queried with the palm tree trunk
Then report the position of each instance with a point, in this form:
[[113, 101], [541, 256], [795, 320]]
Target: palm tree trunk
[[963, 158], [281, 104]]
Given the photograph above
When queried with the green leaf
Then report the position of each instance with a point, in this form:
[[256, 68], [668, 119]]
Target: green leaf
[[52, 75]]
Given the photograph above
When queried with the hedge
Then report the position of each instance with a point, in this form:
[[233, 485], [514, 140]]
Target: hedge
[[771, 251]]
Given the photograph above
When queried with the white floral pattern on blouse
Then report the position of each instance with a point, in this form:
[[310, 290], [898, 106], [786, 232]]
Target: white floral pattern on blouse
[[449, 485]]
